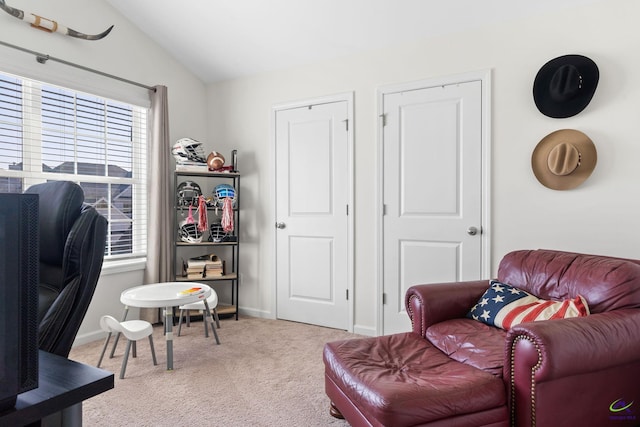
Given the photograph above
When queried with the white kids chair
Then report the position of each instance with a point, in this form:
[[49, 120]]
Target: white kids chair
[[212, 302], [133, 330]]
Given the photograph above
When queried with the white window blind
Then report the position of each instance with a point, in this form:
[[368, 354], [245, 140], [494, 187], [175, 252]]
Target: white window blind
[[50, 133]]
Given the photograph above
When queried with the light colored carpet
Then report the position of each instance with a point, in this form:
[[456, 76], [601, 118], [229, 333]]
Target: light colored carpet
[[264, 373]]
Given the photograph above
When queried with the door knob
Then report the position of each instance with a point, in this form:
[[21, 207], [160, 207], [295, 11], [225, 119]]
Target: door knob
[[280, 225], [472, 231]]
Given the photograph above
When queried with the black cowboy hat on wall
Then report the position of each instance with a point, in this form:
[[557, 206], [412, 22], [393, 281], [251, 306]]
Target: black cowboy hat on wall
[[565, 85]]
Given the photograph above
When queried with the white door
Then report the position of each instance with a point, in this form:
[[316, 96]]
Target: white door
[[312, 225], [432, 191]]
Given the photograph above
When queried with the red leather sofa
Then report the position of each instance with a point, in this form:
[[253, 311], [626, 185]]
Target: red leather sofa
[[453, 370]]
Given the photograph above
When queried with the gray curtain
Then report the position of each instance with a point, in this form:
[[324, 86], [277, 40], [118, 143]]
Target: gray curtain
[[160, 217]]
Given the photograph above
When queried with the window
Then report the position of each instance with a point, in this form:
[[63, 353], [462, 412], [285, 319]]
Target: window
[[50, 133]]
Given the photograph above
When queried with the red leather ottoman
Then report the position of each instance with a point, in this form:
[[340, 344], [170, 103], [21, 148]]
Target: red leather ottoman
[[402, 380]]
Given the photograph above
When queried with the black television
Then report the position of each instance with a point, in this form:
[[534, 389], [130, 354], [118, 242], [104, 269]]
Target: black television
[[19, 274]]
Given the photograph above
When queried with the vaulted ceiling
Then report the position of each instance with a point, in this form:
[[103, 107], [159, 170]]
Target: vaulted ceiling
[[225, 39]]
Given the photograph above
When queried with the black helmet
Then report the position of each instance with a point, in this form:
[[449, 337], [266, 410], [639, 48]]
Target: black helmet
[[187, 194]]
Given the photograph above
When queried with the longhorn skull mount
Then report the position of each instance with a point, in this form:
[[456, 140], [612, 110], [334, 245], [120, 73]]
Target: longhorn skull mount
[[49, 25]]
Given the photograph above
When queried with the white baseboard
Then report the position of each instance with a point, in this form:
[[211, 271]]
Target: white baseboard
[[252, 312], [364, 330], [89, 337]]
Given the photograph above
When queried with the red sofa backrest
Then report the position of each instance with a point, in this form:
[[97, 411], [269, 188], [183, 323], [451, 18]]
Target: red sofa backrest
[[607, 283]]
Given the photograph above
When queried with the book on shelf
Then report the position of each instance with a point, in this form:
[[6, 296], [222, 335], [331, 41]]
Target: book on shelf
[[214, 271], [192, 167], [193, 274], [196, 264], [209, 265], [207, 259]]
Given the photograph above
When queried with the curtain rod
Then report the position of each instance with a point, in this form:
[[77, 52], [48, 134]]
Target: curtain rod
[[42, 58]]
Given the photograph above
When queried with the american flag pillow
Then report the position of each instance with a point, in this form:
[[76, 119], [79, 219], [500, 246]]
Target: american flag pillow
[[504, 306]]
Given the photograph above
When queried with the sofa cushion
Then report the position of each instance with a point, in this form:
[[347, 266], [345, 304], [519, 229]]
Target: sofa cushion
[[605, 283], [470, 342], [505, 306], [402, 380]]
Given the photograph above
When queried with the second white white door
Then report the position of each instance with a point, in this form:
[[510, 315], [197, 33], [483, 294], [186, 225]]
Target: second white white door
[[432, 190]]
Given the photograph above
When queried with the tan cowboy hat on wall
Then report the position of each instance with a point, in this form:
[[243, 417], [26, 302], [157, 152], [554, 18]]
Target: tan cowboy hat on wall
[[564, 159]]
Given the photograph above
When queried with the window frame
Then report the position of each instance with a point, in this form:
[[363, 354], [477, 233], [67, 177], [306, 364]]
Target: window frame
[[32, 162]]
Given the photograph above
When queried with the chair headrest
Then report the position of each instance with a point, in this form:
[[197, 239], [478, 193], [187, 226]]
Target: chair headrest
[[60, 203]]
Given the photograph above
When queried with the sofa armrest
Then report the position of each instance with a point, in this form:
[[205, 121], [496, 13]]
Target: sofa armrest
[[593, 353], [572, 346], [437, 302]]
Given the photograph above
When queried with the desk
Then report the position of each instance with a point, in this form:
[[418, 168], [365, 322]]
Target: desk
[[168, 295], [62, 384]]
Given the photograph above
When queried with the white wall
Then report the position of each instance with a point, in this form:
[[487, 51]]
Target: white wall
[[598, 217], [127, 53]]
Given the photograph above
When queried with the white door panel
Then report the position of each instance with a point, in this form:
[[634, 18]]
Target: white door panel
[[426, 148], [432, 191], [311, 282], [312, 194], [310, 147]]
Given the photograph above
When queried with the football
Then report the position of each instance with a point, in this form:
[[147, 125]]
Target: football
[[215, 160]]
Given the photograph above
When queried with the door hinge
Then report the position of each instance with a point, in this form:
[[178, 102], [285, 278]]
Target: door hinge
[[347, 294], [384, 298], [346, 124], [384, 210], [347, 210], [384, 119]]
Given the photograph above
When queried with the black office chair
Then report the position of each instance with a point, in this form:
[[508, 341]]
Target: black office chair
[[72, 243]]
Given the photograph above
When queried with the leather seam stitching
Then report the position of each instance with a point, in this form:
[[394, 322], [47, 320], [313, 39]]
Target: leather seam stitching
[[533, 384], [410, 311]]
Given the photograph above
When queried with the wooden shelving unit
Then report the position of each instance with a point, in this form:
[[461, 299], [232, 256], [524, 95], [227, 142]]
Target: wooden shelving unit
[[226, 250]]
